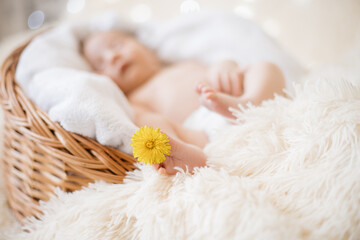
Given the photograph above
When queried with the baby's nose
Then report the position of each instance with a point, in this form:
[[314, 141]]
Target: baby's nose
[[114, 56]]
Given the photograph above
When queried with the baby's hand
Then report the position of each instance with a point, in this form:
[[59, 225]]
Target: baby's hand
[[226, 77]]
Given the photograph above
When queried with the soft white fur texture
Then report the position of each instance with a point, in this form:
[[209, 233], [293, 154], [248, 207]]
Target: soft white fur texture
[[288, 170]]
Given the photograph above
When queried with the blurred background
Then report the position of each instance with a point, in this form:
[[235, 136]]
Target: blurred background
[[315, 32]]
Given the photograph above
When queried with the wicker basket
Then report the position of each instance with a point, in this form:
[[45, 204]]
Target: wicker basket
[[39, 155]]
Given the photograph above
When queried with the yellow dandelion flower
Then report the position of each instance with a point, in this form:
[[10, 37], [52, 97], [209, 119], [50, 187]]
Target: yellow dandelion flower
[[150, 145]]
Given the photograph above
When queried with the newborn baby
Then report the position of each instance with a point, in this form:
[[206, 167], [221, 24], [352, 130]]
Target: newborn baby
[[163, 96]]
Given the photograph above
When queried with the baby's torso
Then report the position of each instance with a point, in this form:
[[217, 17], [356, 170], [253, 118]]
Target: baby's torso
[[172, 91]]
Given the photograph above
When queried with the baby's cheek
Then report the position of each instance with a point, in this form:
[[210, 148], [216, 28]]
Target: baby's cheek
[[109, 71]]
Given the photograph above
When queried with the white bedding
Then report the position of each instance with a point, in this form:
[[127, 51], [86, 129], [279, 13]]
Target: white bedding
[[56, 77]]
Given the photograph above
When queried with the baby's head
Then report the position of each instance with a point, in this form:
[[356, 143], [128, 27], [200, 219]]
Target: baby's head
[[120, 57]]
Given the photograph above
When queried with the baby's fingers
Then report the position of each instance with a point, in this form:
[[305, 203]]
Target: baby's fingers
[[160, 169]]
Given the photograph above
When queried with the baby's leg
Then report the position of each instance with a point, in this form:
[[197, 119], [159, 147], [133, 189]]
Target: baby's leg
[[261, 82], [145, 117], [185, 155]]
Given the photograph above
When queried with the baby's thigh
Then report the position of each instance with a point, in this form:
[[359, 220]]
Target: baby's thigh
[[145, 117]]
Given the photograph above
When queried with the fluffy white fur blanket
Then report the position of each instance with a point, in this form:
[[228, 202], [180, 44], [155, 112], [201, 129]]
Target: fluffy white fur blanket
[[288, 170]]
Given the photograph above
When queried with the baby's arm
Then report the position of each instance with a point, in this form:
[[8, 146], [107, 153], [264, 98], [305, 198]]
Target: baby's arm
[[262, 81]]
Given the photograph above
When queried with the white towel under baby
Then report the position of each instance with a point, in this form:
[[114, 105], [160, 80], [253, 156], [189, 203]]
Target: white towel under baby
[[205, 120]]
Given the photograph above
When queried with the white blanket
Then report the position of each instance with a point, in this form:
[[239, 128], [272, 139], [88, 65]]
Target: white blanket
[[56, 77], [289, 170]]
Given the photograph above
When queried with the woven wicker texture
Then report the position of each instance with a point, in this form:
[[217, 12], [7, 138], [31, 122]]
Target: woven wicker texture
[[39, 155]]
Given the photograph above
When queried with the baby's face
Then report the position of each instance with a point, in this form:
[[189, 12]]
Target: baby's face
[[122, 58]]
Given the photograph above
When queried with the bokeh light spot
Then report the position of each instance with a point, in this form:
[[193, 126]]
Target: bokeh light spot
[[189, 6], [75, 6], [36, 19]]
